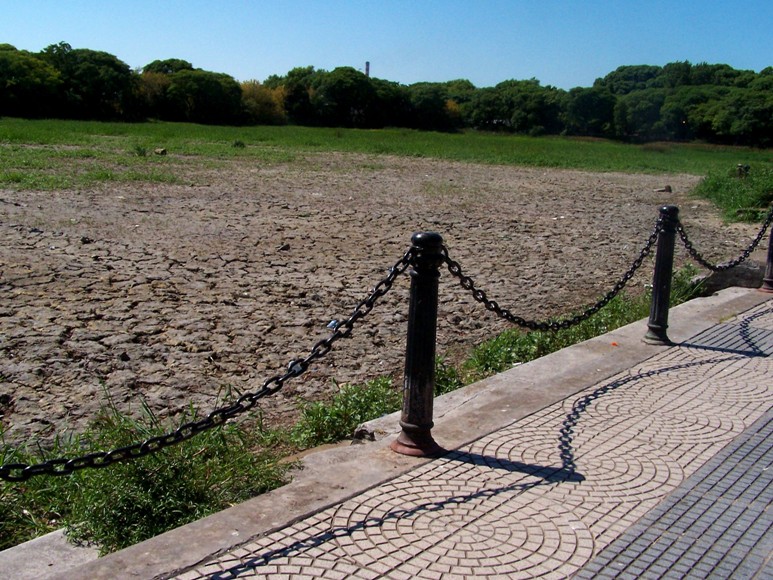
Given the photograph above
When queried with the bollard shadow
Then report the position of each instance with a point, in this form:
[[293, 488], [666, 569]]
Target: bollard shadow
[[546, 473], [753, 341], [543, 475]]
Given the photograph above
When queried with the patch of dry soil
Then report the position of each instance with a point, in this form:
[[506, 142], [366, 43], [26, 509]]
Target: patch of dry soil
[[172, 292]]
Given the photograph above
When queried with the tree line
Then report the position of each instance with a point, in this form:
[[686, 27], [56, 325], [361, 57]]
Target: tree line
[[679, 101]]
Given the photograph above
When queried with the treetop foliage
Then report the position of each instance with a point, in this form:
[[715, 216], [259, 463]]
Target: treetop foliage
[[679, 101]]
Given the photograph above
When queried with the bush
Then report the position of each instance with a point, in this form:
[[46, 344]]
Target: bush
[[740, 198], [128, 502], [322, 423]]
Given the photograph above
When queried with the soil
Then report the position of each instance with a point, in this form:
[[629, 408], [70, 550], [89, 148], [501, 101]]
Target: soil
[[181, 294]]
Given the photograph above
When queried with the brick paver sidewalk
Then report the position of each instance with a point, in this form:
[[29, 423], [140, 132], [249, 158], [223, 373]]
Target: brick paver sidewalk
[[545, 496], [716, 525]]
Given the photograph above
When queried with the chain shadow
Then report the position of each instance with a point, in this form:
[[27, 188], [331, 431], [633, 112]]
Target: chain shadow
[[544, 475], [549, 474], [580, 406], [749, 336]]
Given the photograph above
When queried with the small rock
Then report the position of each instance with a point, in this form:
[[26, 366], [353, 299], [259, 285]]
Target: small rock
[[363, 433]]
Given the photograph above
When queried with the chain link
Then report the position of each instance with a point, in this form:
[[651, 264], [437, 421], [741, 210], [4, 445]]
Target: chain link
[[295, 368], [695, 255], [468, 284]]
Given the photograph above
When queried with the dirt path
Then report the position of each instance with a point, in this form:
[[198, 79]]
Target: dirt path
[[172, 293]]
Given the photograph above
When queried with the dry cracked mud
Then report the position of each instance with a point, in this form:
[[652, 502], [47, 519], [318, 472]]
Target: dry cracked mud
[[178, 293]]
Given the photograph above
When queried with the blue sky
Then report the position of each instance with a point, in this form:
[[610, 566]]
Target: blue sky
[[560, 43]]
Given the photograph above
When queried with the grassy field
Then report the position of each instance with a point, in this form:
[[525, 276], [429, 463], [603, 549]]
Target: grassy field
[[39, 154]]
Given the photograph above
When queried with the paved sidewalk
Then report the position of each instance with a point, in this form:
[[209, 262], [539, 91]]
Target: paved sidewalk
[[543, 496], [604, 480], [716, 524]]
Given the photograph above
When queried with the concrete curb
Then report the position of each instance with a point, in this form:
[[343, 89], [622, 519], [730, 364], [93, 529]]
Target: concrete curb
[[335, 475]]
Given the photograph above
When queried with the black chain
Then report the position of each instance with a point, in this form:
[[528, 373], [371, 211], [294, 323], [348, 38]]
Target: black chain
[[725, 265], [296, 367], [468, 284]]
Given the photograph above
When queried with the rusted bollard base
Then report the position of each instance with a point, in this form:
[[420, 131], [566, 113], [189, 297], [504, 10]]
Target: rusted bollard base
[[657, 337], [416, 442], [767, 287]]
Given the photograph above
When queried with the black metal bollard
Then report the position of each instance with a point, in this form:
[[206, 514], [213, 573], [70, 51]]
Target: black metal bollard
[[419, 383], [661, 278], [767, 281]]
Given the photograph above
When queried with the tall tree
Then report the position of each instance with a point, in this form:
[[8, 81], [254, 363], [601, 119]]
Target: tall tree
[[344, 97], [95, 84], [28, 85], [590, 111], [206, 97]]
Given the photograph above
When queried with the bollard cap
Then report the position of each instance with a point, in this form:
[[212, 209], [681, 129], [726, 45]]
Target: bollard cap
[[427, 239], [670, 210]]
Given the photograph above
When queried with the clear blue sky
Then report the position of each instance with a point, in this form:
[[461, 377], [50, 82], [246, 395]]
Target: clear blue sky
[[561, 43]]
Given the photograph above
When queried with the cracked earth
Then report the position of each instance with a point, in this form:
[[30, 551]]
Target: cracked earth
[[178, 294]]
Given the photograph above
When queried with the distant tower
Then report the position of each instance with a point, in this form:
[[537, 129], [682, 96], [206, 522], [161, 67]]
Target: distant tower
[[367, 68]]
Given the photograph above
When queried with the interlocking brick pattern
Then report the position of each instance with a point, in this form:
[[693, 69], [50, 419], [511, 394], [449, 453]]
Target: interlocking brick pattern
[[717, 525], [546, 495]]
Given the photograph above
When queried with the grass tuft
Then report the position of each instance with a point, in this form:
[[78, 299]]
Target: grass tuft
[[128, 502], [322, 423], [745, 198]]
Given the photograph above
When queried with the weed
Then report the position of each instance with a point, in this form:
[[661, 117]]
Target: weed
[[745, 197], [447, 378], [322, 423], [125, 503]]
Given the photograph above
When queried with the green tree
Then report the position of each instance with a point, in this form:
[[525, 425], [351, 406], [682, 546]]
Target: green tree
[[168, 66], [28, 85], [297, 89], [637, 115], [205, 97], [429, 107], [392, 104], [682, 114], [626, 79], [590, 111], [344, 97], [488, 110], [521, 106], [95, 84], [744, 117]]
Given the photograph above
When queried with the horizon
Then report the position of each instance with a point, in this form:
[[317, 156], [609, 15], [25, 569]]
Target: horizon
[[404, 42]]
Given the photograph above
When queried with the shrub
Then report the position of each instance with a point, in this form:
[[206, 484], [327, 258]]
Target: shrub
[[744, 198], [322, 423], [128, 502]]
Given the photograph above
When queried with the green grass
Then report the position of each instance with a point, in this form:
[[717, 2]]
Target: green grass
[[740, 198], [336, 420], [127, 502], [514, 346], [51, 154]]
